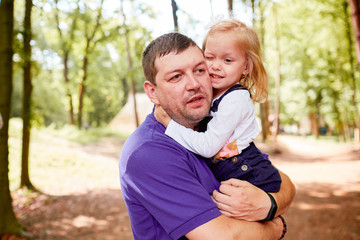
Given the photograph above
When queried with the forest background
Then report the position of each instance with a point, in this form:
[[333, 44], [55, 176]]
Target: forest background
[[74, 64]]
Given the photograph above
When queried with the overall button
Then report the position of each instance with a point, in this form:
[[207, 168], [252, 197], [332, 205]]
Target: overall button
[[234, 160], [244, 167]]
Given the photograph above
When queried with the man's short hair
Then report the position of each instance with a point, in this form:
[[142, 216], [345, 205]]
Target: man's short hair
[[161, 46]]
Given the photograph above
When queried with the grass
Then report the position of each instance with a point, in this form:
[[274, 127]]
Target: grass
[[64, 161]]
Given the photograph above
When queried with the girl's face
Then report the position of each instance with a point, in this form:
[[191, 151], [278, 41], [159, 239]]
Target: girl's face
[[226, 61]]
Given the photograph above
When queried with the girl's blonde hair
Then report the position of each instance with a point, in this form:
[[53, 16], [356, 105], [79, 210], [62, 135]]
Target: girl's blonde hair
[[257, 80]]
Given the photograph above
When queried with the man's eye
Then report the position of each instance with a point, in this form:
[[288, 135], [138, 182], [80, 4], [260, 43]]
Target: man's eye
[[176, 77], [200, 70]]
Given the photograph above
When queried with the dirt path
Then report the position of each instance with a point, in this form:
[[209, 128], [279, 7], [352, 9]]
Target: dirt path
[[326, 207]]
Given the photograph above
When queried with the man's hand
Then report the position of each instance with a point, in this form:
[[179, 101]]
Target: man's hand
[[162, 116], [242, 200]]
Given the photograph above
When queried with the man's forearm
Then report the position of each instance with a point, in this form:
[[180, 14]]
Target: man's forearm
[[225, 228], [286, 194]]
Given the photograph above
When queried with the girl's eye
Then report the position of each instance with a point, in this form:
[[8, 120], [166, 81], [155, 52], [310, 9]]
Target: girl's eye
[[209, 58], [228, 60]]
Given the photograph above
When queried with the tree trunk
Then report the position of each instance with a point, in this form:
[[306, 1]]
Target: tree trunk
[[264, 107], [175, 18], [278, 76], [88, 50], [82, 90], [26, 112], [66, 48], [130, 67], [67, 83], [8, 221], [230, 8], [314, 124], [355, 17], [351, 60]]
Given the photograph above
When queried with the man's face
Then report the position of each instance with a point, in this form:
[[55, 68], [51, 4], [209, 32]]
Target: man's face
[[183, 88]]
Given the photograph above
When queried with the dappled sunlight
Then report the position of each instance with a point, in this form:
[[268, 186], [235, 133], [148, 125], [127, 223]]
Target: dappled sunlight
[[306, 206], [77, 216], [85, 221]]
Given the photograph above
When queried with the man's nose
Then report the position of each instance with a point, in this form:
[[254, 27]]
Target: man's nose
[[192, 82]]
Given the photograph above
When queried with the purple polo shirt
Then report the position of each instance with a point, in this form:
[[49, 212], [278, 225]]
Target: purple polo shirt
[[166, 188]]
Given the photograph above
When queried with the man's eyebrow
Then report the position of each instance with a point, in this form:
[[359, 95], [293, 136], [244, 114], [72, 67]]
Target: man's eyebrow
[[200, 63]]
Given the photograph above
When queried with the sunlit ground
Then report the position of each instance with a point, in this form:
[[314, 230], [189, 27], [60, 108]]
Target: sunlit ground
[[82, 200]]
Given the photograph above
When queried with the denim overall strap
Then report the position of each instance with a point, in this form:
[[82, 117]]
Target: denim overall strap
[[216, 103]]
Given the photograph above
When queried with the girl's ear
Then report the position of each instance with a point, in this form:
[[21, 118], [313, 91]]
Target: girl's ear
[[247, 67], [150, 91]]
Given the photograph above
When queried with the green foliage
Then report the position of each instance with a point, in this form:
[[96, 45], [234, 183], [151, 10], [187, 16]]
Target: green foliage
[[315, 67], [107, 85], [319, 74]]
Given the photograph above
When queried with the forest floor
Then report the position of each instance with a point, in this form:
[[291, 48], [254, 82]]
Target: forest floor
[[326, 206]]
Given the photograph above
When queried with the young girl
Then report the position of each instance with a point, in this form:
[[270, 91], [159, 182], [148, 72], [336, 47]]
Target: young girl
[[233, 56]]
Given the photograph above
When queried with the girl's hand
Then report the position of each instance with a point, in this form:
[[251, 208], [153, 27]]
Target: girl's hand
[[162, 116]]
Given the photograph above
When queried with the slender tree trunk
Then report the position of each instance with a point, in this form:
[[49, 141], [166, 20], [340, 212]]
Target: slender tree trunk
[[8, 221], [264, 107], [351, 60], [26, 112], [175, 18], [82, 90], [355, 17], [67, 83], [314, 124], [230, 8], [278, 76], [88, 50], [130, 66], [66, 48]]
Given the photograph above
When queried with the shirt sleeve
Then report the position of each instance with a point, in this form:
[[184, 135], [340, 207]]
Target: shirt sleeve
[[166, 187], [231, 111]]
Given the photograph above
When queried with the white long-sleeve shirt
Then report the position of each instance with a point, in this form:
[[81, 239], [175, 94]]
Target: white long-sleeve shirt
[[234, 120]]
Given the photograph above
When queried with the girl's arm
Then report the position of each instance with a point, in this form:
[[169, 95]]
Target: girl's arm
[[233, 108]]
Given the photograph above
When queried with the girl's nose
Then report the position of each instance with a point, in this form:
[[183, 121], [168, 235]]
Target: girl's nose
[[216, 65]]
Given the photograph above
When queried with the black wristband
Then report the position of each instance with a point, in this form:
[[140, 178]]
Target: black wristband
[[272, 210]]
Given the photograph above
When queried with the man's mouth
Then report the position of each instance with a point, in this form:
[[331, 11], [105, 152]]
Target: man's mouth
[[195, 98]]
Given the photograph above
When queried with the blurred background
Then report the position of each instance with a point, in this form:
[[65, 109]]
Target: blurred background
[[71, 92]]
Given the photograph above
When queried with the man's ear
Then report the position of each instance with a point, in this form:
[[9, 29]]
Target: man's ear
[[150, 92]]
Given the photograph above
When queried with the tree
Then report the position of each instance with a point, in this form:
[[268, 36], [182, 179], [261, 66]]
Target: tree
[[8, 221], [26, 112], [89, 46], [278, 76], [175, 18], [66, 42], [355, 17], [130, 64], [230, 8], [264, 107]]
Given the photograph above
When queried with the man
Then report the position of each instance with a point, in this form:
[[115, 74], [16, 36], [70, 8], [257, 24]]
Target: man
[[168, 190]]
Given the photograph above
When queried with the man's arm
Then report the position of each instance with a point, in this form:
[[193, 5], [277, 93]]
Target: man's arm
[[286, 194], [242, 200], [225, 228]]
